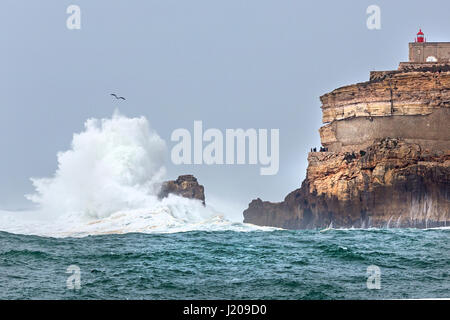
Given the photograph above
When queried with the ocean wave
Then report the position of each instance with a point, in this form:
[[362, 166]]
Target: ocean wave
[[107, 183], [18, 255], [174, 214]]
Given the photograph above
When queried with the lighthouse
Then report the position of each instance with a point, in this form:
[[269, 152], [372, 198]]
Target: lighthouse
[[422, 51], [420, 36]]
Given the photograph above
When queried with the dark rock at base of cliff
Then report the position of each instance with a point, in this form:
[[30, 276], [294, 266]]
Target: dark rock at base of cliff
[[392, 183], [185, 186]]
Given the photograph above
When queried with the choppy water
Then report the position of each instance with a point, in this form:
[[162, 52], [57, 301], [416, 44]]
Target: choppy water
[[229, 265]]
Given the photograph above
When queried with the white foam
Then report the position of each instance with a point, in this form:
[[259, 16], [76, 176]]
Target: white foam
[[107, 182], [172, 214]]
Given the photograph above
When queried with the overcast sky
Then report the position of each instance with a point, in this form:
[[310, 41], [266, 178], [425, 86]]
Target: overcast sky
[[230, 63]]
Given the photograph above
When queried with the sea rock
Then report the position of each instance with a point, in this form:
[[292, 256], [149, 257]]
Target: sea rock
[[186, 186]]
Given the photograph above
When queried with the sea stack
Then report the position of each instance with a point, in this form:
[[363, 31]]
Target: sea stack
[[385, 155], [185, 186]]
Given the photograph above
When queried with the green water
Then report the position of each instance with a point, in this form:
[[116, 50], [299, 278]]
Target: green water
[[229, 265]]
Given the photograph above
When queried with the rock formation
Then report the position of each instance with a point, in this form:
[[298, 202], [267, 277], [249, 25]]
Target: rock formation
[[387, 158], [186, 186], [414, 105]]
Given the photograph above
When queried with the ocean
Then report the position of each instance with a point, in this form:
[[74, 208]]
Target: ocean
[[98, 230], [270, 264]]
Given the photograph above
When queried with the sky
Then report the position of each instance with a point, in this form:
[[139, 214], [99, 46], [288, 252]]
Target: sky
[[229, 63]]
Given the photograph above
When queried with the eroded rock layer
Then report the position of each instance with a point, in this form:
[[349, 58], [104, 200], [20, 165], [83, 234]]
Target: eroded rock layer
[[413, 105]]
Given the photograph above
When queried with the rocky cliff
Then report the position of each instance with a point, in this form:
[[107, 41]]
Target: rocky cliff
[[411, 104], [186, 186], [387, 161]]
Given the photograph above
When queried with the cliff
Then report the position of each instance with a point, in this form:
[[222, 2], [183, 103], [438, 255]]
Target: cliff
[[387, 161], [414, 105], [186, 186]]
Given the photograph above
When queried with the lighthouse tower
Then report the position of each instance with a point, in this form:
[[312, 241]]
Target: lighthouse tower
[[420, 36], [422, 51]]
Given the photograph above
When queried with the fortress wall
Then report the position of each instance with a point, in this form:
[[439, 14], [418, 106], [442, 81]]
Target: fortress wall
[[420, 51], [410, 66], [380, 75], [429, 131], [416, 66]]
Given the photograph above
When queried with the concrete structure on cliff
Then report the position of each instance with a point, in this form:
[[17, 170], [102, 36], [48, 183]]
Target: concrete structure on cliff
[[387, 162], [423, 51]]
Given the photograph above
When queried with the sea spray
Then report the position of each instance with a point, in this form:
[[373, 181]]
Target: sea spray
[[114, 164], [107, 182]]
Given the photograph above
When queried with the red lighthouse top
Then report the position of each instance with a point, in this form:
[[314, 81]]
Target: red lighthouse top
[[420, 36]]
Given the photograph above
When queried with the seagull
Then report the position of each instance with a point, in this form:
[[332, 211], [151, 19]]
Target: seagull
[[115, 96]]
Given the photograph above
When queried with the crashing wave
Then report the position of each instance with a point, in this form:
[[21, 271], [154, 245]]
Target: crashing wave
[[107, 182]]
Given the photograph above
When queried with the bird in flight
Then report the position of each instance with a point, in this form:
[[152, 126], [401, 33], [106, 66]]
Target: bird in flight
[[115, 96]]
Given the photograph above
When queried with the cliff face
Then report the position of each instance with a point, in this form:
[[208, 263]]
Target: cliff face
[[391, 183], [414, 105], [186, 186], [366, 179]]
